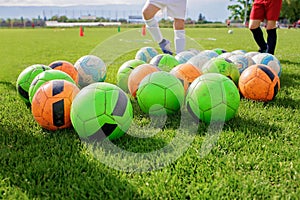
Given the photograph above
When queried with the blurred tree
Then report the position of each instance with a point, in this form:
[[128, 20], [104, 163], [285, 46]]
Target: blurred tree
[[62, 19], [238, 9], [54, 18], [290, 10], [201, 19]]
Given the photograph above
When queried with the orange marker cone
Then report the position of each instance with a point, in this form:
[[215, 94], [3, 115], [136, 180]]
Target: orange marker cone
[[144, 30], [81, 33]]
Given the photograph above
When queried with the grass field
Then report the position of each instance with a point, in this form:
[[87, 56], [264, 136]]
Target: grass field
[[257, 155]]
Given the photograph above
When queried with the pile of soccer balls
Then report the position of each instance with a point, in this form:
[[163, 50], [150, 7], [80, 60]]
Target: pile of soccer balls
[[50, 89], [206, 83]]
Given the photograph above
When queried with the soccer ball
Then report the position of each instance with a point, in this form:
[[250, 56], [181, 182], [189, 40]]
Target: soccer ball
[[66, 67], [219, 51], [222, 66], [44, 77], [259, 82], [26, 77], [164, 61], [241, 61], [52, 103], [199, 60], [90, 69], [194, 51], [212, 98], [230, 31], [101, 110], [146, 54], [209, 53], [184, 56], [251, 53], [186, 73], [239, 52], [137, 75], [268, 59], [160, 93], [124, 72], [225, 55]]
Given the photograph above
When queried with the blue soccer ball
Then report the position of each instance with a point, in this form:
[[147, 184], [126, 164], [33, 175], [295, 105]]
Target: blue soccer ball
[[268, 59], [184, 56], [91, 69], [241, 61], [146, 54]]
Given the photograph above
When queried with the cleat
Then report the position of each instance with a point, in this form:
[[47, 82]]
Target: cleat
[[165, 46], [263, 50]]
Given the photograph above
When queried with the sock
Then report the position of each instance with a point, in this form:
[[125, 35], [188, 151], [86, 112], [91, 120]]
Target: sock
[[272, 39], [153, 28], [179, 40], [259, 39]]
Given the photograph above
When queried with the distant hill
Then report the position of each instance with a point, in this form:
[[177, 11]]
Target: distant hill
[[107, 11]]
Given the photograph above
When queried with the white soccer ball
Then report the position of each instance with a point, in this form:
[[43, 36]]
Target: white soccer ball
[[91, 69]]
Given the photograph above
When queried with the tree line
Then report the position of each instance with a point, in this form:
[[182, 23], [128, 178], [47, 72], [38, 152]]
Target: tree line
[[239, 11]]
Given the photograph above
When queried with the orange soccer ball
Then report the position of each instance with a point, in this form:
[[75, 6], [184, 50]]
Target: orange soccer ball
[[52, 103], [187, 73], [259, 82], [66, 67], [137, 75]]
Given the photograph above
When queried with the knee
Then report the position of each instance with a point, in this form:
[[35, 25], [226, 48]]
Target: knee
[[146, 15], [179, 24], [254, 24], [271, 26]]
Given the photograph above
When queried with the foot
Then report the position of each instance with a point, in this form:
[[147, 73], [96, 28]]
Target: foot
[[264, 50], [165, 46]]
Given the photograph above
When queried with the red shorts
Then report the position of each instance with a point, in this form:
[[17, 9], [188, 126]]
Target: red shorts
[[266, 9]]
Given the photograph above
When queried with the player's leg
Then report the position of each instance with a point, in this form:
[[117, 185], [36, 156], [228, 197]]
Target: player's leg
[[256, 17], [152, 25], [177, 10], [272, 15], [272, 36], [179, 35], [254, 26], [149, 12]]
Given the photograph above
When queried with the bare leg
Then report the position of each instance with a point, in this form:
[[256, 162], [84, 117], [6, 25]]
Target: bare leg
[[150, 11], [152, 25]]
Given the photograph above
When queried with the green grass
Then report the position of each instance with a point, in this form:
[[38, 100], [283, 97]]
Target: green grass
[[257, 155]]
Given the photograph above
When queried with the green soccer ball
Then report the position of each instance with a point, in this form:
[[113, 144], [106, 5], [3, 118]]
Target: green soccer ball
[[165, 62], [222, 66], [26, 77], [212, 98], [219, 51], [46, 76], [159, 93], [124, 72], [101, 110]]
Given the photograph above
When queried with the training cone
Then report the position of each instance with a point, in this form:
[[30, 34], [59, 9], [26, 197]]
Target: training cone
[[81, 32], [144, 30]]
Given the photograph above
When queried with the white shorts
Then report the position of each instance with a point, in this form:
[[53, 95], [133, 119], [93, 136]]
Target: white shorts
[[175, 8]]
